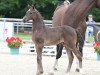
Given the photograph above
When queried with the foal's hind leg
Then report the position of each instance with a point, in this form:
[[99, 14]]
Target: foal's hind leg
[[39, 48], [70, 57], [58, 55]]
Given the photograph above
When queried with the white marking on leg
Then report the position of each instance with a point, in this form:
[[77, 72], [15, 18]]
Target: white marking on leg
[[51, 72], [68, 73], [82, 72], [55, 64], [77, 63]]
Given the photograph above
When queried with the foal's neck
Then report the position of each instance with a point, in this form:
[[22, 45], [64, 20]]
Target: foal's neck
[[77, 12], [38, 22]]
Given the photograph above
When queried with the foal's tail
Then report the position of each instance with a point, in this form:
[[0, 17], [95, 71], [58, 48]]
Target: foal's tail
[[79, 37]]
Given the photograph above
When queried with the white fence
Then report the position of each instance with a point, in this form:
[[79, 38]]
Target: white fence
[[19, 25], [30, 48]]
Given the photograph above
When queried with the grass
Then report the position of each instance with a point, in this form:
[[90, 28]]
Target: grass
[[29, 36], [90, 39], [24, 36]]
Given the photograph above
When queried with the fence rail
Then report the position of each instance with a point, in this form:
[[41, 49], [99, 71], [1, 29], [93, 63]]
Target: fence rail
[[20, 20], [18, 25]]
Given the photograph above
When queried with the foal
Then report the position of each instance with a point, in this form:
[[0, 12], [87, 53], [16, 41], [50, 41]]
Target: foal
[[43, 35]]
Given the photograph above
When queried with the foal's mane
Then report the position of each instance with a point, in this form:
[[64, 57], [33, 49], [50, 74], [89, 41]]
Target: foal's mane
[[38, 14], [38, 20]]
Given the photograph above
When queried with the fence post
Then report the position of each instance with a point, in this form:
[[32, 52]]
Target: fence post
[[17, 27]]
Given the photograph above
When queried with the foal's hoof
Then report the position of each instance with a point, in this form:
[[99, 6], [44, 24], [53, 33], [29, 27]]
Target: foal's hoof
[[77, 70], [51, 72], [82, 72], [55, 68], [38, 73], [68, 73]]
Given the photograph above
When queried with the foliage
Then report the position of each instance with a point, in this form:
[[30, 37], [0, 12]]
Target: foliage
[[14, 42], [17, 8], [97, 47], [96, 13]]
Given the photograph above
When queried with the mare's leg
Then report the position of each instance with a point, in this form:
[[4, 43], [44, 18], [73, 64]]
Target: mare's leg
[[70, 57], [39, 48], [81, 44], [59, 50], [79, 57], [58, 55]]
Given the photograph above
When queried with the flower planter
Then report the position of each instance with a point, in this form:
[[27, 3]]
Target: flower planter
[[98, 56], [14, 43], [14, 51]]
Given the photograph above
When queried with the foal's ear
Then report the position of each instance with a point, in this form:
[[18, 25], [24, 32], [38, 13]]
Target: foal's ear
[[33, 6], [29, 6]]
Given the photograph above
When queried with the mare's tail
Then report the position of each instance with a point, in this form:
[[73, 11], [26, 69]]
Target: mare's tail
[[79, 37]]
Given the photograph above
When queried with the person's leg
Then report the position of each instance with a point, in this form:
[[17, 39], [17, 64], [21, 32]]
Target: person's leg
[[91, 31], [91, 34], [87, 34]]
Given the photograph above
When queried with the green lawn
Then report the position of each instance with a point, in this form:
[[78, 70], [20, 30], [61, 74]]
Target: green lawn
[[24, 36], [90, 39], [29, 36]]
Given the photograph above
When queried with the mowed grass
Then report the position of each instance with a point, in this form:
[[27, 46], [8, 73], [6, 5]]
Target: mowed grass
[[23, 36], [29, 36], [90, 38]]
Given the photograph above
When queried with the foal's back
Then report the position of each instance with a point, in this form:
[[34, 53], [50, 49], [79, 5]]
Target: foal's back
[[57, 35]]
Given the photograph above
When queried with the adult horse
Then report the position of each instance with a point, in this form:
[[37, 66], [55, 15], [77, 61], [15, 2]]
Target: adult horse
[[42, 35], [73, 15]]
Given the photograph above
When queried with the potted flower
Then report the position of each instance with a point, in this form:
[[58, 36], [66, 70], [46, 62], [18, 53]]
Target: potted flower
[[97, 49], [14, 43]]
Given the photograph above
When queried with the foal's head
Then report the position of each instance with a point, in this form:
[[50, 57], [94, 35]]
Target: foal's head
[[31, 14]]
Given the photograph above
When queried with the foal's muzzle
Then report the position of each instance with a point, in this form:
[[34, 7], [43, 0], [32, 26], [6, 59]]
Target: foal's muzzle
[[24, 20]]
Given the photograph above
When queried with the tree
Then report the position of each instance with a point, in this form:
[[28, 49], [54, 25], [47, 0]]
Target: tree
[[95, 12], [17, 8]]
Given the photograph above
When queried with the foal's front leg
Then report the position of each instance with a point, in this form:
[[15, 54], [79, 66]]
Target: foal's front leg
[[39, 48]]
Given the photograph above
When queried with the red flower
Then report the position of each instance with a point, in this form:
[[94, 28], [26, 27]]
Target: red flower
[[7, 40], [12, 39], [14, 42], [97, 47], [18, 39], [96, 44], [16, 46]]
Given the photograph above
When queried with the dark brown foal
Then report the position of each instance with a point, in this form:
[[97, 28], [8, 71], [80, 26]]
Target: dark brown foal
[[43, 35]]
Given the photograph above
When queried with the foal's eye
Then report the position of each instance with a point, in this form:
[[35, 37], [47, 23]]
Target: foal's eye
[[30, 13]]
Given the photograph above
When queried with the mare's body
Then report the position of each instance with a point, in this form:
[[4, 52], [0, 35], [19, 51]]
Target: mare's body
[[73, 15]]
